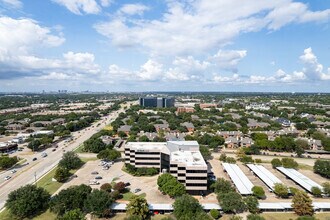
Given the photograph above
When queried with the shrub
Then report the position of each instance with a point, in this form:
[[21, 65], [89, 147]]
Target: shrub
[[276, 163], [7, 162], [61, 174], [255, 217], [316, 191], [258, 160], [120, 186], [322, 167], [230, 160], [215, 213], [281, 190], [258, 192], [289, 163], [106, 187], [293, 190], [141, 171]]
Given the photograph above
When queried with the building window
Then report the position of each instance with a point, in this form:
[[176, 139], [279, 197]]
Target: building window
[[181, 174], [174, 165], [147, 153], [196, 184], [146, 158], [196, 171], [181, 168], [195, 178], [146, 164]]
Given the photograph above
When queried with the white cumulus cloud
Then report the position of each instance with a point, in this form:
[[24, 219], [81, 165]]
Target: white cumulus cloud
[[81, 6]]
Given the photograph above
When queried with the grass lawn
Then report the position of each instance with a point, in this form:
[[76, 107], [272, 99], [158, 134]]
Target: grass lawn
[[108, 128], [86, 159], [128, 195], [288, 216], [79, 149], [47, 183], [305, 167], [5, 215]]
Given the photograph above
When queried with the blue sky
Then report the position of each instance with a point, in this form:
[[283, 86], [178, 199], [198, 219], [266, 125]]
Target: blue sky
[[155, 45]]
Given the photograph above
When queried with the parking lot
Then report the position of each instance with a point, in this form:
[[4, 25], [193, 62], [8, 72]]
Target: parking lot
[[217, 169], [148, 185]]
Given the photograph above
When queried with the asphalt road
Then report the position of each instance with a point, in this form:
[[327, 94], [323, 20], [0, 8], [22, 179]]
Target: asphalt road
[[29, 173]]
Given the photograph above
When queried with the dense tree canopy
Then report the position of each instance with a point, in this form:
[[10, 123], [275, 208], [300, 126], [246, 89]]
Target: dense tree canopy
[[170, 185], [322, 167], [70, 199], [187, 207], [98, 202], [231, 202], [138, 206], [70, 160], [27, 201], [302, 204]]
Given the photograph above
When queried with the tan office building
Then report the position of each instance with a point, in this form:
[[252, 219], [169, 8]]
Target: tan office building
[[180, 158]]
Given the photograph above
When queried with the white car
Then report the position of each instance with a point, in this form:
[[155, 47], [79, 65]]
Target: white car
[[7, 177], [13, 171]]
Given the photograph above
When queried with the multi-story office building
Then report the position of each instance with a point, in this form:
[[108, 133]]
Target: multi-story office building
[[180, 158], [157, 102]]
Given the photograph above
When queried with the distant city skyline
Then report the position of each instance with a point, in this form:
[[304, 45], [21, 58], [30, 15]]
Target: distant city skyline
[[198, 45]]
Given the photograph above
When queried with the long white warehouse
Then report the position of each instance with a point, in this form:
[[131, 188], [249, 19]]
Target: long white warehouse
[[242, 183], [265, 175], [299, 178]]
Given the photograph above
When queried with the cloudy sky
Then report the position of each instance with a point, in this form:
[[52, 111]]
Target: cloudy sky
[[165, 45]]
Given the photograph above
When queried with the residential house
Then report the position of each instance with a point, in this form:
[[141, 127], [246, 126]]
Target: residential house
[[190, 127]]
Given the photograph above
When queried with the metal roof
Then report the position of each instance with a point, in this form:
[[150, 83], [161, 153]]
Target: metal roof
[[265, 175], [242, 183], [299, 178]]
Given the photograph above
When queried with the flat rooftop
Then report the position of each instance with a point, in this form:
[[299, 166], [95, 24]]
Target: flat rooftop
[[190, 158], [147, 146]]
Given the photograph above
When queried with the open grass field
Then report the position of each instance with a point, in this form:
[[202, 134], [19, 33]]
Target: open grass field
[[288, 216], [47, 183]]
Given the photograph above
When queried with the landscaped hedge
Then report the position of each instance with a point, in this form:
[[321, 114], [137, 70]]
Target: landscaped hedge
[[140, 171]]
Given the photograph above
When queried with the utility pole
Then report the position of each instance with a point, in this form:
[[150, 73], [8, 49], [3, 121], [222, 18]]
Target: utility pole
[[35, 178]]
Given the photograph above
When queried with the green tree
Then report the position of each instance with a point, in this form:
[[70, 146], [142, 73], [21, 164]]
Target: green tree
[[120, 186], [7, 162], [302, 204], [236, 217], [138, 206], [289, 163], [255, 217], [276, 163], [230, 160], [316, 191], [252, 204], [186, 207], [259, 192], [106, 187], [223, 157], [109, 154], [98, 202], [281, 190], [215, 213], [27, 201], [326, 188], [322, 167], [70, 199], [222, 185], [205, 151], [293, 190], [70, 160], [94, 145], [75, 214], [170, 185], [61, 174], [231, 202]]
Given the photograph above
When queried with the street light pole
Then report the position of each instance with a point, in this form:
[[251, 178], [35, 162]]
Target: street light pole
[[35, 178]]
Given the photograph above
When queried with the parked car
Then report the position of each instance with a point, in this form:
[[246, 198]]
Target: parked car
[[34, 159], [105, 167], [74, 175], [7, 177], [137, 190], [54, 149], [98, 177], [94, 182], [95, 172], [127, 184]]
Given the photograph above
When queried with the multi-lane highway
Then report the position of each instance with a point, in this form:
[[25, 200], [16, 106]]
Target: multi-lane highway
[[32, 171]]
